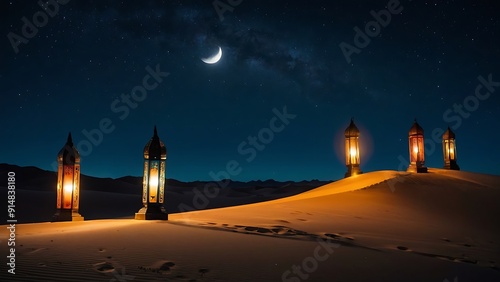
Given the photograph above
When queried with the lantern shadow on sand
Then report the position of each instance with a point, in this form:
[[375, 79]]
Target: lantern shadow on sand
[[416, 147], [153, 182], [352, 150], [68, 183]]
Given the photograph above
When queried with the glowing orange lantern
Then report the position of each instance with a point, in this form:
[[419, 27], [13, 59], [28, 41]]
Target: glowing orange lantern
[[416, 146], [352, 150], [68, 183], [450, 150], [153, 182]]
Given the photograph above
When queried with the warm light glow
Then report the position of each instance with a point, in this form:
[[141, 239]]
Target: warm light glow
[[153, 184], [68, 188], [415, 149], [353, 152], [67, 191]]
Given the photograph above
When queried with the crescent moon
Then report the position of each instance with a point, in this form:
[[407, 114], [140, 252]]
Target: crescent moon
[[214, 59]]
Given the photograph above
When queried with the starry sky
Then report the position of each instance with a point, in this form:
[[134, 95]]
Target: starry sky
[[291, 76]]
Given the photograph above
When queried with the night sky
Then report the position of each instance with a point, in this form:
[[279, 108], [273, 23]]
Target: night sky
[[89, 63]]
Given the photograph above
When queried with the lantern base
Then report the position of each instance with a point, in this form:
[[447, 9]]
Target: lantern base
[[352, 171], [416, 169], [451, 165], [152, 212], [67, 215]]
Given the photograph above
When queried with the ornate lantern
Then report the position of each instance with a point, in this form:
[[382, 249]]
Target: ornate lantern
[[68, 183], [416, 146], [352, 150], [153, 182], [450, 150]]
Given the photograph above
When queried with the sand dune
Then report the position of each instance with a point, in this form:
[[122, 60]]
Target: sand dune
[[380, 226]]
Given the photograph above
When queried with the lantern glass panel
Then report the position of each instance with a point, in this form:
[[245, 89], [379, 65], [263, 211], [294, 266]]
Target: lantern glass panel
[[59, 185], [145, 182], [416, 149], [351, 150], [67, 186], [76, 187], [452, 150], [162, 181], [153, 181]]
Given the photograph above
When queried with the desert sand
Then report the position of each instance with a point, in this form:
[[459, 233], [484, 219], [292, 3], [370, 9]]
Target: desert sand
[[378, 226]]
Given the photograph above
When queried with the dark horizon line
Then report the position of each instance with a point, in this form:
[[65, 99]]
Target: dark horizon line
[[184, 181]]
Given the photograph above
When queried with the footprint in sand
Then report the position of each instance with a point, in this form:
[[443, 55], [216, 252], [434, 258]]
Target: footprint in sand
[[104, 267], [338, 236], [102, 250], [203, 271], [402, 248], [282, 221], [159, 266]]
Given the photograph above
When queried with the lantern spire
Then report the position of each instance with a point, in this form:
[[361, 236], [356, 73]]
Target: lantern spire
[[70, 140]]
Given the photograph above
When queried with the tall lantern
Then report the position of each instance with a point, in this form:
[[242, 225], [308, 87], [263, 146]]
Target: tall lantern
[[153, 182], [416, 146], [450, 150], [68, 183], [352, 150]]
